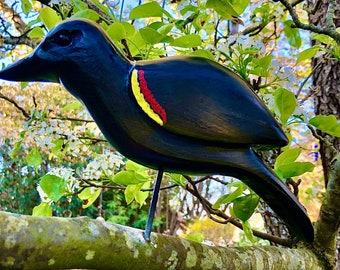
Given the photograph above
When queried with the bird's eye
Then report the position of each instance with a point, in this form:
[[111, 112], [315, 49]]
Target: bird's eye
[[63, 38]]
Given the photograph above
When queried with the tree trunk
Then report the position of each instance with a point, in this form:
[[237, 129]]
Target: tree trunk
[[326, 80]]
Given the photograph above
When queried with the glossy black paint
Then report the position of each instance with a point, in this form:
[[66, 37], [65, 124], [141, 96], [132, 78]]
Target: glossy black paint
[[213, 116]]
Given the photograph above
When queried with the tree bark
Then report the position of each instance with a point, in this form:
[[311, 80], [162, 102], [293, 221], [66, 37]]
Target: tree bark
[[327, 84], [326, 81], [28, 242], [328, 223]]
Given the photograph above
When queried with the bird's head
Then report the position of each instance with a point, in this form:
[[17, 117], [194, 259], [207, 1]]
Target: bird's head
[[64, 52]]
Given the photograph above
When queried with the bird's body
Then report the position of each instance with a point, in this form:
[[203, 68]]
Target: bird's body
[[181, 114]]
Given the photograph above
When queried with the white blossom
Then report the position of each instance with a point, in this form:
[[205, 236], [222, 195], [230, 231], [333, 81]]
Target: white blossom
[[103, 165]]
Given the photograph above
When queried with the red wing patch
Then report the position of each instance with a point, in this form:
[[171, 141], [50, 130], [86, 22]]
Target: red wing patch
[[146, 99]]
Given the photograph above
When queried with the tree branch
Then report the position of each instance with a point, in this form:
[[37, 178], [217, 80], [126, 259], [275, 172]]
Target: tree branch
[[13, 17], [12, 101], [23, 39], [329, 30], [93, 6], [68, 243]]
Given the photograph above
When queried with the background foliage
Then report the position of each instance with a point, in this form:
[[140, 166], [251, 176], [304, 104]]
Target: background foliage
[[56, 162]]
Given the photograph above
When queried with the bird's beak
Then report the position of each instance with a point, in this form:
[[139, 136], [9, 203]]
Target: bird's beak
[[30, 68]]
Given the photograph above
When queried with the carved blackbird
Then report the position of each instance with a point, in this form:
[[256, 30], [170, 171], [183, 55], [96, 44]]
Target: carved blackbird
[[179, 114]]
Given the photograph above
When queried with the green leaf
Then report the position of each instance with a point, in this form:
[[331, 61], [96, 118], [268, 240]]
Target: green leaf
[[240, 5], [34, 158], [286, 167], [187, 41], [189, 8], [223, 8], [58, 145], [133, 166], [17, 145], [72, 106], [199, 20], [126, 178], [130, 30], [178, 179], [141, 196], [287, 156], [151, 35], [203, 53], [26, 6], [292, 34], [285, 102], [53, 186], [15, 149], [23, 85], [134, 192], [116, 31], [129, 193], [49, 17], [135, 41], [86, 14], [148, 10], [156, 25], [292, 169], [244, 207], [36, 32], [79, 5], [227, 198], [328, 124], [42, 210], [307, 54], [134, 174], [248, 231], [89, 196], [261, 64], [165, 29], [130, 178], [209, 28], [322, 38]]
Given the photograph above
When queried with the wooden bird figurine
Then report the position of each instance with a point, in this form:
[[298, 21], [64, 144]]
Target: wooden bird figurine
[[185, 115]]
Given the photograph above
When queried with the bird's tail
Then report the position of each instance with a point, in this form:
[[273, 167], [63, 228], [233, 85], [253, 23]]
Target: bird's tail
[[275, 193]]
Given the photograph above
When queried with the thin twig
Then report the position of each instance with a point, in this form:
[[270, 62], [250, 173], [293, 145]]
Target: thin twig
[[295, 185], [306, 79], [161, 188], [121, 187], [211, 211], [12, 101], [71, 119], [205, 178], [92, 184], [127, 49], [317, 136]]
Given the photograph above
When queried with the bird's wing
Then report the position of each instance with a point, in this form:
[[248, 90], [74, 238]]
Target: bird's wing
[[199, 98]]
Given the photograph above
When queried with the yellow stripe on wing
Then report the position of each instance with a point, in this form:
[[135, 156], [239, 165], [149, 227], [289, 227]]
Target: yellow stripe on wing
[[137, 92]]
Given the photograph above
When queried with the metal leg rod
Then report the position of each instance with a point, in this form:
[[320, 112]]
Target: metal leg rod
[[153, 205]]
